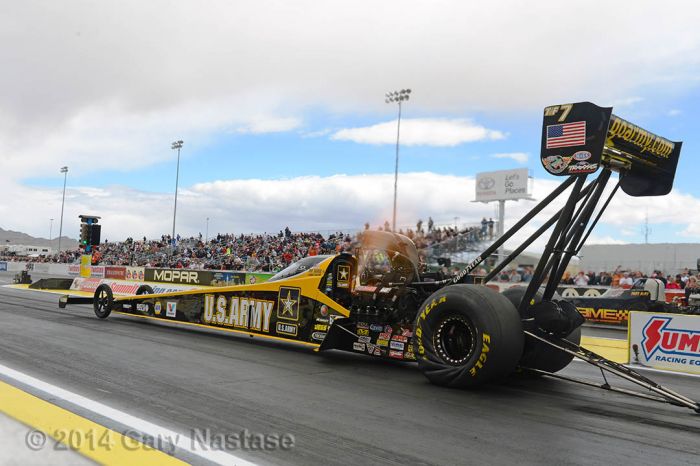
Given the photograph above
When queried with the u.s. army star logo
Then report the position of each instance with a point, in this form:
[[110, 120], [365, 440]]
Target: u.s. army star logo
[[288, 303], [343, 277]]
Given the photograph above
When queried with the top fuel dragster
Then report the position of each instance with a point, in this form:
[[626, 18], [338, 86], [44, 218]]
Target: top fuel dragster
[[375, 300]]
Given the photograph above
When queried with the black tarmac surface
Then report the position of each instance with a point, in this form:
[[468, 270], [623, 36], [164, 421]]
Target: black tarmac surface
[[340, 408]]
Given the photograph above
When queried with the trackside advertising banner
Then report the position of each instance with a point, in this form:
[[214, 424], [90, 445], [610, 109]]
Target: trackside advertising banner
[[665, 341], [122, 287]]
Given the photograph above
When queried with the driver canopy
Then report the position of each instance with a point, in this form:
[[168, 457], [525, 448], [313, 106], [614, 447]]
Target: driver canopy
[[384, 257]]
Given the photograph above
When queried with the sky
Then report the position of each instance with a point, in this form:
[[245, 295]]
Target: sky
[[281, 108]]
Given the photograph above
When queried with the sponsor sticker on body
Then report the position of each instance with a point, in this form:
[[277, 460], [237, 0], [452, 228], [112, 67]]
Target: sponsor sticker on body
[[171, 309], [397, 345]]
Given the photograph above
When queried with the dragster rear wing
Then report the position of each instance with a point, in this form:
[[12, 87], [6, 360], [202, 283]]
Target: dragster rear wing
[[579, 138]]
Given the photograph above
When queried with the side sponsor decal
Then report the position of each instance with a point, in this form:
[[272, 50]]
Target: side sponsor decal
[[343, 278], [170, 309], [238, 312], [397, 345], [556, 163], [358, 346], [318, 336], [157, 308], [288, 303], [287, 329]]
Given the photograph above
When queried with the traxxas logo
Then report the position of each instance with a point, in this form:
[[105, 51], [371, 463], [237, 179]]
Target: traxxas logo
[[658, 337]]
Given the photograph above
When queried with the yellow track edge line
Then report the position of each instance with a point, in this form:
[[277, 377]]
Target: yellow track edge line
[[90, 439]]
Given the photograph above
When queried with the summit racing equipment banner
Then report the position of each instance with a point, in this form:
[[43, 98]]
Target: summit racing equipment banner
[[578, 138], [665, 341]]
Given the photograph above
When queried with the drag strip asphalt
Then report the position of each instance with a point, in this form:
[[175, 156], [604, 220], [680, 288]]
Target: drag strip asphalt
[[340, 408]]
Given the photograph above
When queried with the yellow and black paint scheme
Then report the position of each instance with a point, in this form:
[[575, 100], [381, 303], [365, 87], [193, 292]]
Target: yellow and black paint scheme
[[318, 301]]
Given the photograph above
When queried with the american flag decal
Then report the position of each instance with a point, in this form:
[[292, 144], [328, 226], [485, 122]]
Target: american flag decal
[[566, 135]]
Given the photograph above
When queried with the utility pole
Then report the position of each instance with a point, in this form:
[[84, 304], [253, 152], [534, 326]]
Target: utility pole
[[64, 170]]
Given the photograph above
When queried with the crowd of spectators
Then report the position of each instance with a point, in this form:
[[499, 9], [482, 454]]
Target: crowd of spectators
[[252, 252], [626, 278], [272, 252]]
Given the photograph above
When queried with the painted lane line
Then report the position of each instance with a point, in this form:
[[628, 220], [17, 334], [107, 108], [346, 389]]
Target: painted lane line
[[181, 441], [91, 440]]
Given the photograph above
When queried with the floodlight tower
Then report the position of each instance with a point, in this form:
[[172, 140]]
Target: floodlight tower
[[398, 97], [176, 145]]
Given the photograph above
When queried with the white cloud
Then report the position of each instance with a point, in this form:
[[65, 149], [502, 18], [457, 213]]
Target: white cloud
[[520, 157], [674, 112], [315, 134], [420, 132], [109, 82], [626, 102], [261, 125], [595, 239], [317, 204]]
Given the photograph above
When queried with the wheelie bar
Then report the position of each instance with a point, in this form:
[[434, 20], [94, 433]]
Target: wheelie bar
[[665, 395]]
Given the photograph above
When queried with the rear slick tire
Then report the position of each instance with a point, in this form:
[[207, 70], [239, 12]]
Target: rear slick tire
[[466, 336]]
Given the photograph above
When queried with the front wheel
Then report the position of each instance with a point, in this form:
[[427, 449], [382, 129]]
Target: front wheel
[[467, 335], [103, 301]]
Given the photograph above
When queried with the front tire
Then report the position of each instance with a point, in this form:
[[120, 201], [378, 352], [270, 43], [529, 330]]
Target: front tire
[[144, 289], [467, 335], [103, 301]]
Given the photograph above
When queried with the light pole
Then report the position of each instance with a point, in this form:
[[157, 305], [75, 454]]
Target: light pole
[[50, 228], [64, 170], [398, 97], [206, 235], [176, 145]]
